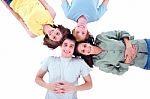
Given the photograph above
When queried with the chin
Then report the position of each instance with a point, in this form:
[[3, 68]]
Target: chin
[[67, 56]]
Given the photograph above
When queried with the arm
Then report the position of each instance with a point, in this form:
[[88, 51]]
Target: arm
[[49, 8], [105, 2], [130, 51], [39, 80], [87, 85], [19, 19], [67, 87], [65, 6], [63, 1], [114, 35], [103, 8]]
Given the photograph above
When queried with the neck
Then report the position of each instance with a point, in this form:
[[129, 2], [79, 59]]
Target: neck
[[82, 20], [97, 50], [65, 57]]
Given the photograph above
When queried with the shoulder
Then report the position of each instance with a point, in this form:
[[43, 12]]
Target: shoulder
[[79, 62], [52, 58], [77, 59]]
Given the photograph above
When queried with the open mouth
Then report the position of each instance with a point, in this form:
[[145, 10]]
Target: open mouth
[[81, 26], [67, 52]]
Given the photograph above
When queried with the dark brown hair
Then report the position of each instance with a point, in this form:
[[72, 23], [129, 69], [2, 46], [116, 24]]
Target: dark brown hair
[[54, 44], [70, 37], [87, 58]]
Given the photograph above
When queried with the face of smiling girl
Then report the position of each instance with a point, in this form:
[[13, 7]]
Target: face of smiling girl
[[53, 33], [84, 48]]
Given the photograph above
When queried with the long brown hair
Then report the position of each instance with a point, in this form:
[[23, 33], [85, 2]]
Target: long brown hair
[[87, 58], [54, 44]]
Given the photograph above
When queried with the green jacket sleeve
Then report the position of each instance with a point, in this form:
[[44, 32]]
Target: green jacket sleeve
[[116, 35]]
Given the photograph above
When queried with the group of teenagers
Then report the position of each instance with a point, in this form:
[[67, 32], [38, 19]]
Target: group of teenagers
[[112, 51]]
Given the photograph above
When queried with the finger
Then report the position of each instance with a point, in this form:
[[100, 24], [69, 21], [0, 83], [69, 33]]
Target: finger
[[128, 60], [62, 91], [60, 86], [56, 89], [58, 92]]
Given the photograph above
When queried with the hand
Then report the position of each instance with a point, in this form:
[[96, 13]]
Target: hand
[[65, 87], [130, 53], [53, 87]]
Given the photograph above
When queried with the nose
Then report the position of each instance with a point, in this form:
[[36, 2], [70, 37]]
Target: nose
[[87, 49], [80, 33], [67, 48]]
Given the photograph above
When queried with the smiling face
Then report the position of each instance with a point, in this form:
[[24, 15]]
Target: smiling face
[[67, 48], [80, 32], [53, 33], [85, 49]]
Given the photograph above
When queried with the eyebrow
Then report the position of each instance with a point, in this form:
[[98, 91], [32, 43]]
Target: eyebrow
[[73, 44], [51, 31]]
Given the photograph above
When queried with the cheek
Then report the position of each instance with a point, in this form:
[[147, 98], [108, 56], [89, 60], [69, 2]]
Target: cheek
[[72, 50], [58, 38], [62, 47]]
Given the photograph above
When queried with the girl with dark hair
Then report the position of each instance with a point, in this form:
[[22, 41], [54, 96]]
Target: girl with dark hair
[[87, 58], [115, 51], [50, 38]]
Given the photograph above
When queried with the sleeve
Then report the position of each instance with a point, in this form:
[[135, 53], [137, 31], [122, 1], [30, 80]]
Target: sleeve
[[66, 7], [44, 64], [85, 69], [117, 69], [116, 35], [101, 10]]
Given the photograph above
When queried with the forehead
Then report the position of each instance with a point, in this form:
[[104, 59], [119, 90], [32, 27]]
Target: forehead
[[80, 46], [68, 41]]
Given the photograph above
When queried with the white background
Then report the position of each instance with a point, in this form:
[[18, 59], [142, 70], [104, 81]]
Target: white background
[[20, 55]]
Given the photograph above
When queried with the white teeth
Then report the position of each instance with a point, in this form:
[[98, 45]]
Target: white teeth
[[81, 26], [66, 51]]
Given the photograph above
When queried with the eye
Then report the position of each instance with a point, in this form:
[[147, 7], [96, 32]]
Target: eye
[[83, 51], [77, 32], [84, 45], [83, 33], [54, 37], [51, 31], [57, 33], [71, 46], [65, 45]]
